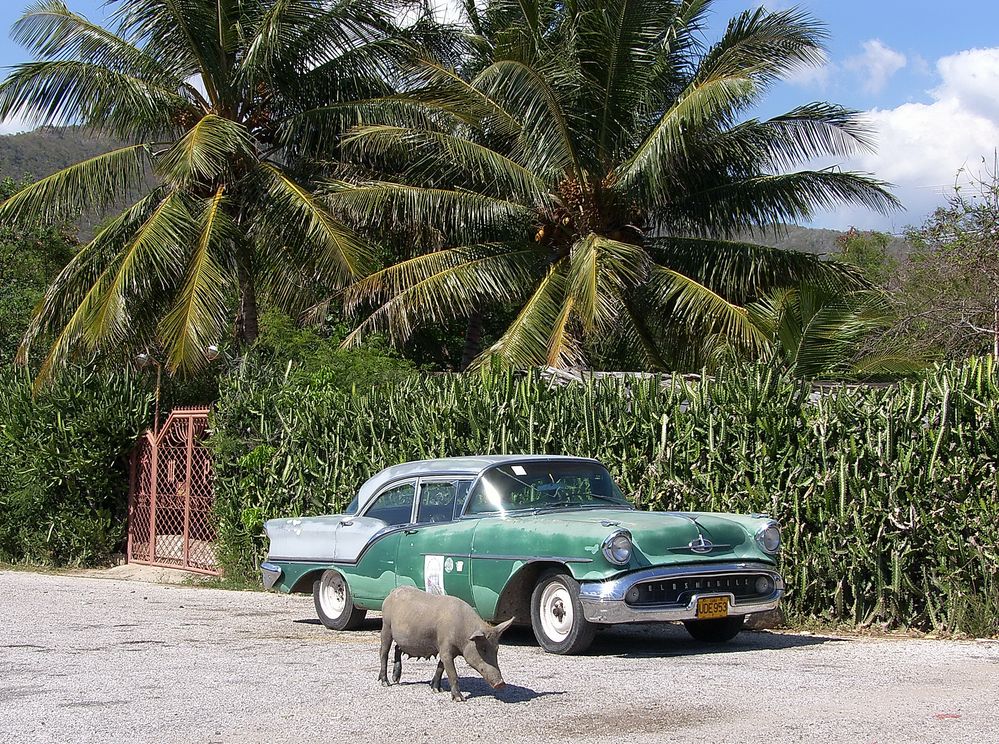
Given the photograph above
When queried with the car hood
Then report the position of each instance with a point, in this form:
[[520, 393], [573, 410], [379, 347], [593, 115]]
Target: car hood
[[665, 537]]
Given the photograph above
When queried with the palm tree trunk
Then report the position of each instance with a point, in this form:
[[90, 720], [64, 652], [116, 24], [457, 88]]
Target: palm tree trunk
[[247, 328], [473, 339]]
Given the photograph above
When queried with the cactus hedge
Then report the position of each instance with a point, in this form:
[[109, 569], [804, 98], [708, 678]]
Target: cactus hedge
[[887, 496]]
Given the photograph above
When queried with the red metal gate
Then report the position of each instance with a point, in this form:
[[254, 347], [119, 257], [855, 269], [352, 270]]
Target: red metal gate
[[170, 501]]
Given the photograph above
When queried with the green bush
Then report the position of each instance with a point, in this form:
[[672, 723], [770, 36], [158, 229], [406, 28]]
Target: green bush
[[64, 465], [888, 496]]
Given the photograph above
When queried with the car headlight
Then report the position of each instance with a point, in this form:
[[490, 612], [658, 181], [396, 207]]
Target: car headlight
[[617, 547], [768, 538]]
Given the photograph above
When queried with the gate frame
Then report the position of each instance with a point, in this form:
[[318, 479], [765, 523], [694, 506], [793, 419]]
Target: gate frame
[[154, 439]]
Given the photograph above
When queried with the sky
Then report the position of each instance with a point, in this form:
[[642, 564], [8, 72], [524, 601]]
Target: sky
[[924, 72]]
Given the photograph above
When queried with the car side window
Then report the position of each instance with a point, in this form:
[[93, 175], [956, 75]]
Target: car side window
[[440, 501], [394, 506]]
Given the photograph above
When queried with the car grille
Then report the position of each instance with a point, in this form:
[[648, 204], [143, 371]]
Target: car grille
[[679, 591]]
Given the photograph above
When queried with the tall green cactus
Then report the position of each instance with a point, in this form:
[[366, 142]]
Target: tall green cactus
[[888, 497]]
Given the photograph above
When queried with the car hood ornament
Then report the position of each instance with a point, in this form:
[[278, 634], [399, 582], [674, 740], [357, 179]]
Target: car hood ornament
[[701, 545]]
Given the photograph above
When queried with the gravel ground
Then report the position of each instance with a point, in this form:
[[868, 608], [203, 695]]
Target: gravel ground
[[97, 660]]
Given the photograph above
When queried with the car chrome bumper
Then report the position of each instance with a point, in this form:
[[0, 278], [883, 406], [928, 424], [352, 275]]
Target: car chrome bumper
[[271, 573], [603, 601]]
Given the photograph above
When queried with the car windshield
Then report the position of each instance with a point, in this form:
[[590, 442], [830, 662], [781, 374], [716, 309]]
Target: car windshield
[[544, 485]]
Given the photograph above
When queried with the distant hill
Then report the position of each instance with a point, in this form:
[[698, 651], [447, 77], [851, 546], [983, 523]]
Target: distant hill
[[814, 240], [46, 150], [49, 149]]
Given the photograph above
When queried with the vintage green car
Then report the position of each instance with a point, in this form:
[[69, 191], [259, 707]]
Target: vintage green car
[[550, 541]]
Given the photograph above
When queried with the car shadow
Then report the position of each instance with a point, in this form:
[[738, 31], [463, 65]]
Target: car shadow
[[644, 640], [475, 687], [671, 640]]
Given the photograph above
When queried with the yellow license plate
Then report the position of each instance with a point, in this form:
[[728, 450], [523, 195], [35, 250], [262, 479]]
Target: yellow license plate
[[710, 607]]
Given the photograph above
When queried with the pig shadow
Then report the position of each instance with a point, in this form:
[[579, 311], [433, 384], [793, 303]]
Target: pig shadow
[[476, 687]]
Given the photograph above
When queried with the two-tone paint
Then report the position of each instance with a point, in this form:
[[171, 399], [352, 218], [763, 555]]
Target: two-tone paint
[[492, 560]]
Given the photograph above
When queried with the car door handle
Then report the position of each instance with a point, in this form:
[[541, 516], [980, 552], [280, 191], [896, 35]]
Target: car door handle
[[346, 523], [411, 532]]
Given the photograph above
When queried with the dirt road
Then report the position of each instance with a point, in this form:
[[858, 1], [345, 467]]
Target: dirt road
[[93, 660]]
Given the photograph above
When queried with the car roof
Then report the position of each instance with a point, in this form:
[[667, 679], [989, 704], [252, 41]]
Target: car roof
[[472, 465]]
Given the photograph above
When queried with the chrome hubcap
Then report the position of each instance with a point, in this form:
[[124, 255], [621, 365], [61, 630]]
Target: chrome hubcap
[[556, 612], [332, 594]]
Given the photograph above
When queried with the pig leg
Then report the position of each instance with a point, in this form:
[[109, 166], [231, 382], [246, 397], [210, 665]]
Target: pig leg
[[397, 666], [435, 683], [452, 676], [384, 651]]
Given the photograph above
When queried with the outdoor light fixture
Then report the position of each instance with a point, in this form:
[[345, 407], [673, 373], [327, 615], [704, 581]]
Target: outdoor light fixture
[[144, 360], [212, 352]]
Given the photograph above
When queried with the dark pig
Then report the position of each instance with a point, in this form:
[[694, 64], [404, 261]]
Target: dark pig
[[429, 625]]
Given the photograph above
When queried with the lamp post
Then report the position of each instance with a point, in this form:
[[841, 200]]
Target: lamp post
[[144, 360]]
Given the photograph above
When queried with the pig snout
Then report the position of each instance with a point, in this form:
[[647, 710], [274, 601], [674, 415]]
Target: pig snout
[[492, 676]]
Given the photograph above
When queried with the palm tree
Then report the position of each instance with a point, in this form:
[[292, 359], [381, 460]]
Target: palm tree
[[202, 93], [591, 166], [815, 334]]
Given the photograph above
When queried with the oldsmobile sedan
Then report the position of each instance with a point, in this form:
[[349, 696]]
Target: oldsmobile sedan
[[549, 541]]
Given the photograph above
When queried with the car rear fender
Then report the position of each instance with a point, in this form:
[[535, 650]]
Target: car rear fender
[[304, 582]]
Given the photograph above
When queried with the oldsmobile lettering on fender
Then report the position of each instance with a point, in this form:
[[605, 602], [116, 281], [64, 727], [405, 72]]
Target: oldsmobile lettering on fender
[[550, 541]]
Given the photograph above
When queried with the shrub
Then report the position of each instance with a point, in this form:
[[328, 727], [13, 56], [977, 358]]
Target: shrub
[[64, 465], [888, 496]]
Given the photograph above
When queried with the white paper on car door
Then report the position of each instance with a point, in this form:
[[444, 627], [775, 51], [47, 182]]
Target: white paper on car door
[[433, 574]]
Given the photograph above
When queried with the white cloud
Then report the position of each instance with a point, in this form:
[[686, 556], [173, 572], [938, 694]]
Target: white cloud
[[816, 77], [876, 65], [972, 76], [921, 146], [16, 125]]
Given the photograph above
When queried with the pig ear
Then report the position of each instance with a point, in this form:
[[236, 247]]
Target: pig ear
[[503, 626], [477, 634]]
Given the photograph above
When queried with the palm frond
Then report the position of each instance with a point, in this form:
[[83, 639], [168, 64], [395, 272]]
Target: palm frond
[[439, 286], [319, 130], [802, 134], [465, 216], [743, 271], [790, 198], [49, 29], [198, 317], [767, 45], [77, 279], [547, 133], [431, 82], [600, 273], [86, 304], [541, 333], [295, 218], [93, 184], [441, 156], [66, 92], [697, 305], [150, 263], [209, 149]]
